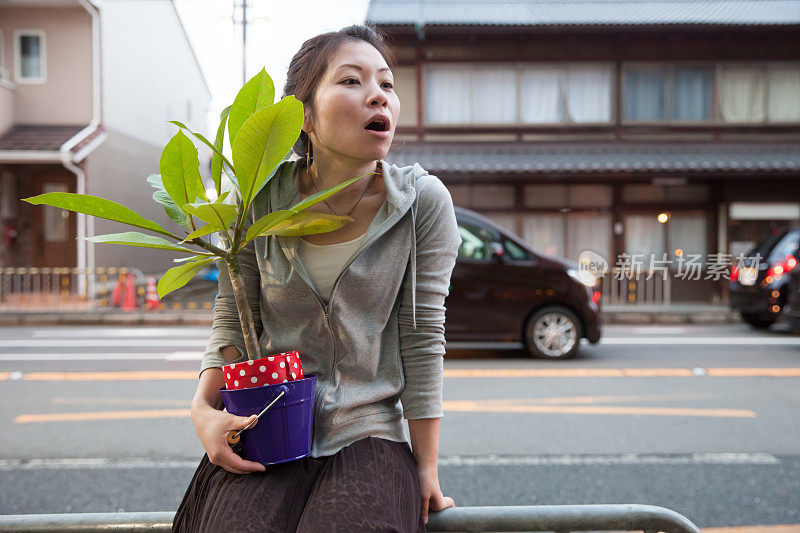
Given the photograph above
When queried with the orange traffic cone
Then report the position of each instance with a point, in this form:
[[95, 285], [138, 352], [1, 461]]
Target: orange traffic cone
[[151, 300], [116, 294], [130, 295]]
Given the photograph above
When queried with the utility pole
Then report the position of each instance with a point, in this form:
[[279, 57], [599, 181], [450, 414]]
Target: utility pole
[[244, 22]]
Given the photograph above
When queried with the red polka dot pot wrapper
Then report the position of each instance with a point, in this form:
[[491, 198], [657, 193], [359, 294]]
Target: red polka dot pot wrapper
[[270, 370]]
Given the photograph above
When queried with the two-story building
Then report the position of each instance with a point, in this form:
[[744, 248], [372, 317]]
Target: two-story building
[[638, 127], [86, 88]]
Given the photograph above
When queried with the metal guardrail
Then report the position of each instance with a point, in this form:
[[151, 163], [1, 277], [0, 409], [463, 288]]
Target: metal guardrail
[[557, 518], [74, 289], [620, 288]]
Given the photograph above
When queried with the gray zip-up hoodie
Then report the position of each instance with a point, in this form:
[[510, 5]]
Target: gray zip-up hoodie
[[380, 338]]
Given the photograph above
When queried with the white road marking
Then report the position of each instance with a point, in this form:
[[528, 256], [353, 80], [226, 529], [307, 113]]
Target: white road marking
[[118, 332], [719, 341], [88, 356], [451, 460], [104, 343]]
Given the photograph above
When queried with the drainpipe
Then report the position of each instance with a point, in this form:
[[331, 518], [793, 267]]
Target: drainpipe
[[86, 256]]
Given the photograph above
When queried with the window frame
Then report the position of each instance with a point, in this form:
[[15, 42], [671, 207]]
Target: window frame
[[517, 67], [18, 78], [671, 65]]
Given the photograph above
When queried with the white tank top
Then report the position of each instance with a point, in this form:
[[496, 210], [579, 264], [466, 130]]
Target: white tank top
[[324, 262]]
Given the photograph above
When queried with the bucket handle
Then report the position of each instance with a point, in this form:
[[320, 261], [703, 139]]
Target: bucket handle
[[233, 436]]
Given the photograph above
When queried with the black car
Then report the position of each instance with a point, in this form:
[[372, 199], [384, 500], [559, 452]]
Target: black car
[[504, 291], [759, 289]]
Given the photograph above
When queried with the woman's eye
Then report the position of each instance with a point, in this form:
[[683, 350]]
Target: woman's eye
[[391, 86]]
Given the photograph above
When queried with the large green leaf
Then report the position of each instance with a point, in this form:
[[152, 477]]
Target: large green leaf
[[257, 93], [178, 276], [180, 170], [262, 143], [134, 238], [220, 215], [171, 208], [96, 206], [201, 232], [323, 195], [267, 222], [217, 151], [305, 223], [216, 160]]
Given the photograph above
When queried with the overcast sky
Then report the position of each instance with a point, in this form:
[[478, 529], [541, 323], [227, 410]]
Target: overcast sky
[[278, 29]]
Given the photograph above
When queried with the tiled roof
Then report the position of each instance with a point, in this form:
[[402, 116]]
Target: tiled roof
[[530, 159], [584, 12], [38, 137], [42, 137]]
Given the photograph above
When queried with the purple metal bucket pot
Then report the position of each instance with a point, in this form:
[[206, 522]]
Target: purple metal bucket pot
[[284, 432]]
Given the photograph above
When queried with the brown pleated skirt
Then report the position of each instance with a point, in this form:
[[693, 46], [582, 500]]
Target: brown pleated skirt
[[370, 485]]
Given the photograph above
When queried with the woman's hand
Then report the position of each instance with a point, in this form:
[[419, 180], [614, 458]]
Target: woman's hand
[[212, 426], [432, 497]]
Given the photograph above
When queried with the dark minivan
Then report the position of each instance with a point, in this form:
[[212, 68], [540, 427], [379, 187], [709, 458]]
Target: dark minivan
[[759, 290], [503, 291]]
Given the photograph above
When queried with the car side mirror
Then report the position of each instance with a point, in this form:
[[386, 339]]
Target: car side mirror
[[497, 251]]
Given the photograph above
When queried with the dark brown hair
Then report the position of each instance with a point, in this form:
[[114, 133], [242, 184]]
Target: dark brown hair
[[310, 63]]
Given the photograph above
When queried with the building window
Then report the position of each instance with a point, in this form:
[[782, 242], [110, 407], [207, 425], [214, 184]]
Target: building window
[[566, 236], [30, 56], [683, 235], [759, 93], [660, 93], [517, 94]]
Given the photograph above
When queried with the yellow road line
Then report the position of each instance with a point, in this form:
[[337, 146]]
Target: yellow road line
[[191, 375], [102, 415], [111, 376], [488, 406]]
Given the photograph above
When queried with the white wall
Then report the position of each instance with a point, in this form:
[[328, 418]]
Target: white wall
[[150, 74]]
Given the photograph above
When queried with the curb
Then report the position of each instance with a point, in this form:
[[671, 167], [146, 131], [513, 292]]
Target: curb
[[205, 318], [187, 318]]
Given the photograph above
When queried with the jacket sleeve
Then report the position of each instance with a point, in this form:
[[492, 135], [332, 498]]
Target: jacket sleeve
[[227, 328], [422, 349]]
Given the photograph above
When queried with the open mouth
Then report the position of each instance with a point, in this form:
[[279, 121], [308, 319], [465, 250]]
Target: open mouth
[[377, 125]]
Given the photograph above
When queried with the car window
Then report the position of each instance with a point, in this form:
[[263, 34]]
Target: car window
[[514, 252], [474, 242], [766, 244], [786, 246]]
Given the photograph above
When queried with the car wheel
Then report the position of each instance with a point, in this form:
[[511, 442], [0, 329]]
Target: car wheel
[[758, 321], [553, 332]]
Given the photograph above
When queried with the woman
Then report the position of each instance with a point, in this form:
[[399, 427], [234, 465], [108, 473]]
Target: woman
[[363, 304]]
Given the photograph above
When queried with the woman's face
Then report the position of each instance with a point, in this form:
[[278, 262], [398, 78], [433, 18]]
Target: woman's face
[[357, 85]]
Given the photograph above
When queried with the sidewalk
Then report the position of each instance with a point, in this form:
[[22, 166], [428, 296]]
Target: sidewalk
[[672, 314], [640, 314]]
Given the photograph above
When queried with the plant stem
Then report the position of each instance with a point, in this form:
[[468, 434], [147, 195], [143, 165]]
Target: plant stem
[[245, 314]]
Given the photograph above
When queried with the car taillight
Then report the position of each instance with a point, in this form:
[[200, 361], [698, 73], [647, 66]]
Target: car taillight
[[781, 268]]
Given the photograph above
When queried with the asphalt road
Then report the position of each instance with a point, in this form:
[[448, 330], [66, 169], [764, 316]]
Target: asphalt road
[[700, 419]]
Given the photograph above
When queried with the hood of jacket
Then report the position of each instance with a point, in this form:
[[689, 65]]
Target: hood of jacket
[[400, 185]]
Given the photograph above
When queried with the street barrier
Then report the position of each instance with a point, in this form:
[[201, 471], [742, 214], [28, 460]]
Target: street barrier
[[31, 289], [622, 288], [557, 518]]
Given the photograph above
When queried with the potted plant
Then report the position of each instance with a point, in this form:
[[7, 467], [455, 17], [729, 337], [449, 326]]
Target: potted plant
[[260, 132]]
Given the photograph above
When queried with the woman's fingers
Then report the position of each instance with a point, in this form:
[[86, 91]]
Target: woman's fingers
[[231, 462]]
